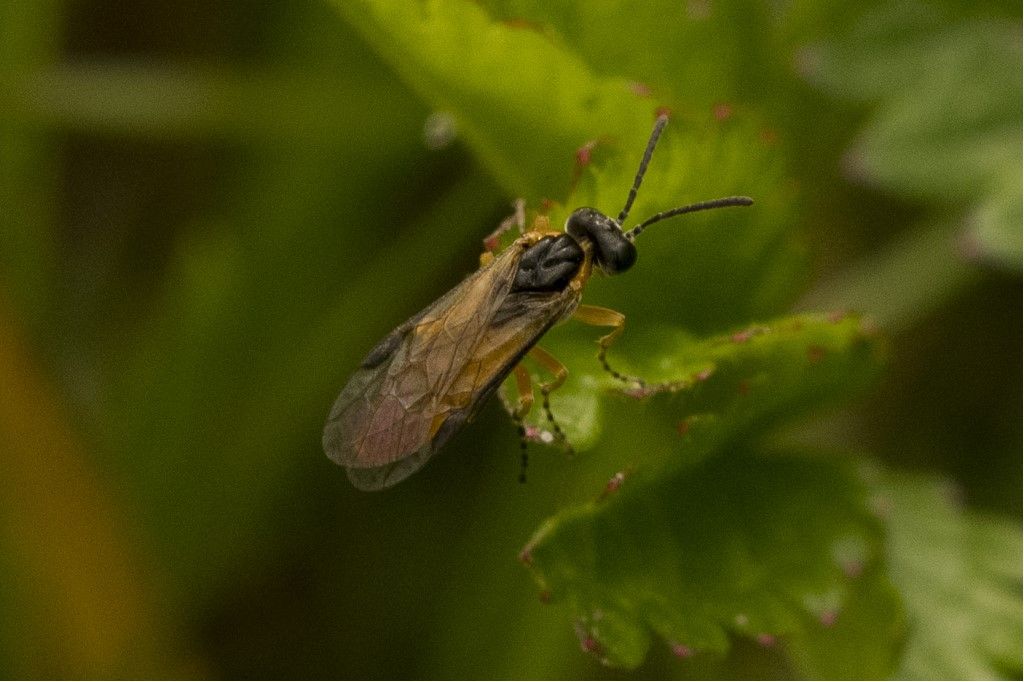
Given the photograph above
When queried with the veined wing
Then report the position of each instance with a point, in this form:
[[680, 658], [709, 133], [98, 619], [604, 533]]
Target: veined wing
[[431, 374]]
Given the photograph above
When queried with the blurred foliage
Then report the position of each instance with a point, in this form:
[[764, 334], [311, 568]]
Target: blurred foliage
[[214, 209], [935, 550]]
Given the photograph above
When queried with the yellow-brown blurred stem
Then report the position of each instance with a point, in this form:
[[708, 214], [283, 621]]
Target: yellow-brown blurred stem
[[91, 612]]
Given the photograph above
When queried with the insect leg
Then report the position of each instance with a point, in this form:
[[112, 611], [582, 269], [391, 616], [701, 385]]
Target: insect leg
[[519, 412], [551, 363], [525, 390], [606, 317], [492, 242]]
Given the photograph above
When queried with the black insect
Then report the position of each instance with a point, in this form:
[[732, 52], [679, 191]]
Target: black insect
[[430, 376]]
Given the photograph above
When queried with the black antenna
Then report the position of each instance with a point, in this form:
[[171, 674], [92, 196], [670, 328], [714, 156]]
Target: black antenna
[[659, 125], [701, 206]]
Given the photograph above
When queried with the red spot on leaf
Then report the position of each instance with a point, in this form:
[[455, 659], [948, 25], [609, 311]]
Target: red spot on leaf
[[639, 392], [639, 89], [663, 111], [614, 483], [587, 641], [533, 433], [815, 354], [704, 374], [748, 333], [837, 316], [583, 154], [681, 650], [769, 136], [766, 640], [852, 568], [828, 618], [683, 426], [743, 336], [722, 111], [744, 387], [545, 596]]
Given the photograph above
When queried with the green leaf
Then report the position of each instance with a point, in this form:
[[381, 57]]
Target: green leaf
[[773, 548], [559, 94], [451, 52], [993, 227], [638, 561], [553, 99], [863, 640], [704, 53], [945, 125], [959, 574], [710, 270], [733, 384]]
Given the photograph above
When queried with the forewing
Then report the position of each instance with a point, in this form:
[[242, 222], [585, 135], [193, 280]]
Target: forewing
[[428, 377]]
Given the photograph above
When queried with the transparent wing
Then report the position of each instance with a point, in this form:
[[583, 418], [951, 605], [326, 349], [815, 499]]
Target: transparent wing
[[430, 375]]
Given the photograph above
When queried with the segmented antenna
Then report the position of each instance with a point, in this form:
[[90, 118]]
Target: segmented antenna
[[701, 206], [659, 125]]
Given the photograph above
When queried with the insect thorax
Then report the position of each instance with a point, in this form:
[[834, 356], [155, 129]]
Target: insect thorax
[[549, 264]]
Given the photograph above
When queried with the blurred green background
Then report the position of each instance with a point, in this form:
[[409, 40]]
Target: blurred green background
[[212, 210]]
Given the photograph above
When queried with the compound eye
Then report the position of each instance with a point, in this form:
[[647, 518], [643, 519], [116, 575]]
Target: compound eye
[[615, 253], [583, 222], [612, 251]]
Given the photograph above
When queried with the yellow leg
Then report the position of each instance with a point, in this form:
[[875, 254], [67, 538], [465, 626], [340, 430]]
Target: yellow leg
[[606, 317], [525, 391], [522, 408], [551, 363]]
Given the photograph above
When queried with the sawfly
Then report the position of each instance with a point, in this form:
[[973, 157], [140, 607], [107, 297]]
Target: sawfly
[[431, 375]]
